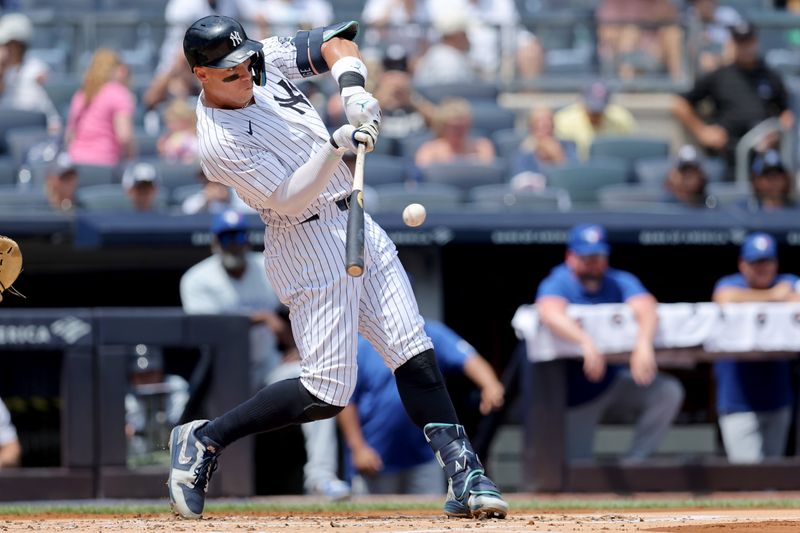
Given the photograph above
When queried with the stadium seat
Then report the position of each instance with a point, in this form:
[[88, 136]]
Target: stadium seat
[[60, 90], [434, 196], [502, 198], [8, 171], [15, 118], [90, 175], [583, 180], [630, 149], [654, 170], [146, 144], [474, 92], [490, 117], [464, 175], [507, 142], [13, 200], [627, 196], [112, 198], [727, 194], [174, 175], [20, 140], [382, 169]]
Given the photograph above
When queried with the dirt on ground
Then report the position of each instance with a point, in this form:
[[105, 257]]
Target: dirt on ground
[[677, 521]]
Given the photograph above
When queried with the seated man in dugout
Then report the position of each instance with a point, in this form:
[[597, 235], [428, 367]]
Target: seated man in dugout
[[596, 389]]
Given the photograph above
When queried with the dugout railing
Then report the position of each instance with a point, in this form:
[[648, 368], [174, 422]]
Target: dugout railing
[[95, 347]]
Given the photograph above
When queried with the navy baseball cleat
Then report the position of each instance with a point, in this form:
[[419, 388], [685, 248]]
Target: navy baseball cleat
[[470, 493], [193, 460]]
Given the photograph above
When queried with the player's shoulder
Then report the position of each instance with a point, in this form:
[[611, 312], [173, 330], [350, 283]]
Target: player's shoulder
[[788, 278], [731, 280], [202, 271], [559, 273]]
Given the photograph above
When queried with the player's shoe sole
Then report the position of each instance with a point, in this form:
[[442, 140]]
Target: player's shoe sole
[[479, 506]]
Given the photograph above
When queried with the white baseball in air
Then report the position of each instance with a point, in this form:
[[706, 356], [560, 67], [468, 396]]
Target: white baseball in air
[[414, 215]]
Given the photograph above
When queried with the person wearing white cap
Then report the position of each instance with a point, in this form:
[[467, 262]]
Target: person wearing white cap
[[686, 181], [21, 76], [140, 182], [448, 61]]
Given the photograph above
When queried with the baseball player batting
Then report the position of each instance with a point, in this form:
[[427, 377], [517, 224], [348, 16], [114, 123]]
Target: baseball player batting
[[259, 134]]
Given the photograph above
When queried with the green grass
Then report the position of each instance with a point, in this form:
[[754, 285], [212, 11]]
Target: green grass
[[531, 505]]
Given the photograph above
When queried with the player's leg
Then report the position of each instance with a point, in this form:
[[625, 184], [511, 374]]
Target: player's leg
[[324, 313], [390, 320], [655, 407], [741, 436], [775, 429]]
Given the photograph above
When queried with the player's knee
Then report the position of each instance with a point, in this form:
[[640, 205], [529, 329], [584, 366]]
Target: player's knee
[[320, 410]]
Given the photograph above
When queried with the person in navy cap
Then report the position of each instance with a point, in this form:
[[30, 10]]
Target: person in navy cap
[[754, 398], [771, 183], [594, 388]]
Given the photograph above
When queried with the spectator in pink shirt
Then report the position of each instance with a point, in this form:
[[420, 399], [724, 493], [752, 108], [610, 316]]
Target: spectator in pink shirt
[[100, 123]]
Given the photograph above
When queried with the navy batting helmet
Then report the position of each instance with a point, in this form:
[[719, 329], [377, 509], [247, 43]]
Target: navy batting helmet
[[218, 42]]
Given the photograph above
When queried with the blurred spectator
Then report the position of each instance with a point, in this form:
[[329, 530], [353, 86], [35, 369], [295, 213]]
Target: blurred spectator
[[232, 281], [742, 95], [179, 15], [754, 398], [541, 148], [771, 183], [10, 449], [21, 76], [686, 182], [100, 123], [141, 184], [452, 124], [394, 12], [61, 183], [448, 60], [405, 112], [213, 198], [389, 455], [494, 25], [285, 17], [176, 82], [179, 141], [715, 46], [154, 403], [640, 35], [594, 115], [595, 389]]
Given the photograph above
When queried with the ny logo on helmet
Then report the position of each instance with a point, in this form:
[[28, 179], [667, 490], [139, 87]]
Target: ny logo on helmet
[[235, 38]]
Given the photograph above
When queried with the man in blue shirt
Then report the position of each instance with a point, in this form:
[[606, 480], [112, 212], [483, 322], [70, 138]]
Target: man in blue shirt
[[386, 448], [754, 398], [594, 388]]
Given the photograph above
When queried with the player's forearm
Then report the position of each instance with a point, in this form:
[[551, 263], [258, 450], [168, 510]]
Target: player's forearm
[[730, 295], [644, 309], [351, 427], [338, 48], [685, 114], [553, 314], [480, 372], [10, 454], [297, 192]]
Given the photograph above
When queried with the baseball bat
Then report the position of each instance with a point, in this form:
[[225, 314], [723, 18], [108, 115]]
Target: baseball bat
[[355, 220]]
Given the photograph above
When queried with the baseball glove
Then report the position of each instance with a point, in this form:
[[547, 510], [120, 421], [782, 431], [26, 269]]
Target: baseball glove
[[10, 265]]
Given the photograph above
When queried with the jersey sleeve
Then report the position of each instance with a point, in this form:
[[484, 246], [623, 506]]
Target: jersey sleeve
[[629, 285], [727, 281], [451, 350], [700, 91], [552, 286], [281, 52]]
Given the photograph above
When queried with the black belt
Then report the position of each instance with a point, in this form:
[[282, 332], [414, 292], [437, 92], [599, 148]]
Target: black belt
[[343, 205]]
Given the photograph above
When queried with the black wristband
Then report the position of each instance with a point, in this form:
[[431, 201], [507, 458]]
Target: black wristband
[[351, 79], [336, 146]]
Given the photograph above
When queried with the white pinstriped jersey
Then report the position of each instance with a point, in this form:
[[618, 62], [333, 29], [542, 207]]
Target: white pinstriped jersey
[[253, 150], [256, 148]]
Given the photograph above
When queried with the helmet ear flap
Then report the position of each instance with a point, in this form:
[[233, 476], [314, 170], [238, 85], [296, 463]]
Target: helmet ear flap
[[257, 69]]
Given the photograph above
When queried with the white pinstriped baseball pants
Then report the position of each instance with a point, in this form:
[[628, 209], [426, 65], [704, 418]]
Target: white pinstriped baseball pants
[[306, 265]]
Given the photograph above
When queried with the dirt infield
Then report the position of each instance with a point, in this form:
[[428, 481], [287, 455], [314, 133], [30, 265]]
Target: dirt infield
[[424, 521]]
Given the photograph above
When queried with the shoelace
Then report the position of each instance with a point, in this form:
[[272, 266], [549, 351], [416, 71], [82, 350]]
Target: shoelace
[[203, 472]]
